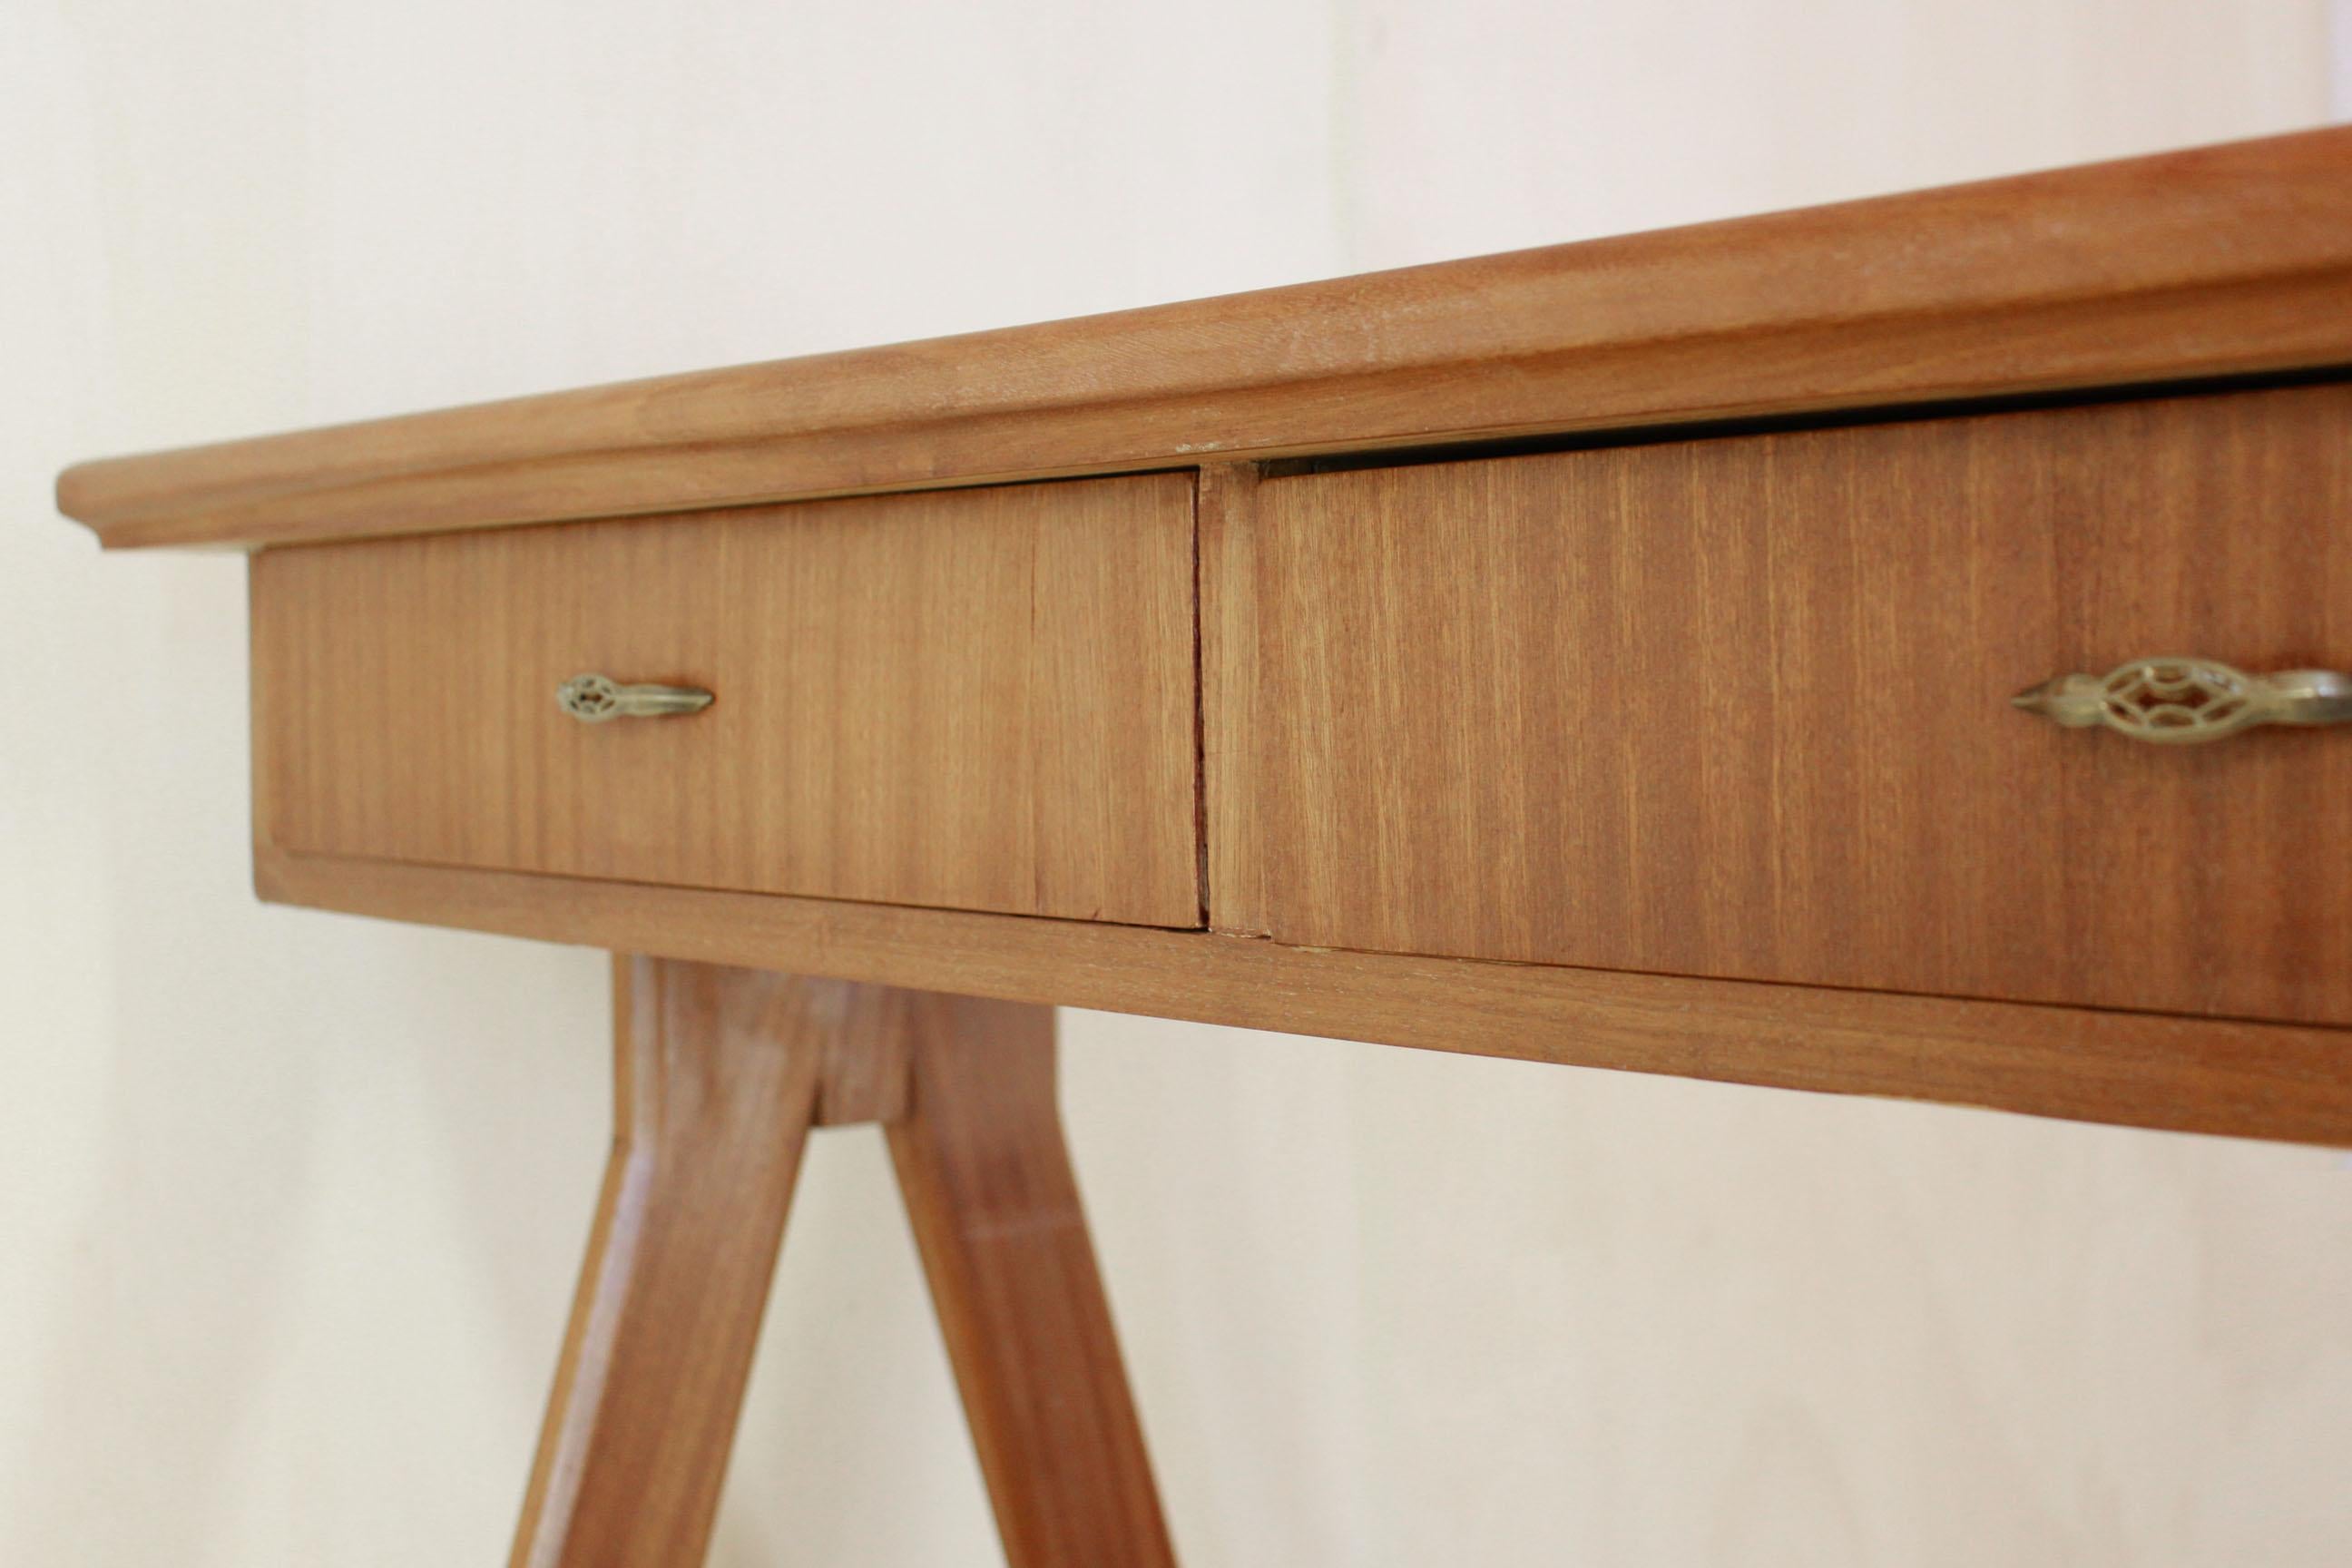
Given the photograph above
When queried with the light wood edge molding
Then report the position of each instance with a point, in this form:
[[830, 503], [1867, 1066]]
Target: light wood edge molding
[[2221, 260], [2246, 1079], [1225, 510]]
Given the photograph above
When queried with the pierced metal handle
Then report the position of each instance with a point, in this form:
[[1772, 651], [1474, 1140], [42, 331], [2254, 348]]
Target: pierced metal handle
[[2184, 702], [593, 698]]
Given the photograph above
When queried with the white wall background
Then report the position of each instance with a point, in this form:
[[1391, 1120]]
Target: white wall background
[[290, 1205]]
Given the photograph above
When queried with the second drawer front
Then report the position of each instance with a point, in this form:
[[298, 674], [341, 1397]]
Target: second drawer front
[[1740, 707], [981, 699]]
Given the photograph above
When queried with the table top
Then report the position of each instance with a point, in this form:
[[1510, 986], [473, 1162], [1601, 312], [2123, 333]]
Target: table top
[[2217, 261]]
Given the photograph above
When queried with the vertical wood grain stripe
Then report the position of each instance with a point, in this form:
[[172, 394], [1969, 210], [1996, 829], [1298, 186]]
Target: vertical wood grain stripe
[[980, 699]]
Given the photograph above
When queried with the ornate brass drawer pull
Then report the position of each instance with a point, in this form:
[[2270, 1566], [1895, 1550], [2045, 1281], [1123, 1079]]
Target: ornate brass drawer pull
[[593, 698], [2183, 701]]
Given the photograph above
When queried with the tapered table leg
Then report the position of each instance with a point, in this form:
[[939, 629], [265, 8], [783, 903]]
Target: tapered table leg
[[994, 1205], [716, 1084], [720, 1074]]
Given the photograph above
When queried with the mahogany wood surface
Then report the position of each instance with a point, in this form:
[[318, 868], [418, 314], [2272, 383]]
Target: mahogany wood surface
[[1234, 860], [1715, 715], [2220, 260], [1688, 755], [1739, 708], [716, 1084], [720, 1074], [2202, 1074], [980, 698], [994, 1205]]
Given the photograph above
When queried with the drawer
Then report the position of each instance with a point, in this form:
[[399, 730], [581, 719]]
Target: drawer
[[975, 698], [1740, 707]]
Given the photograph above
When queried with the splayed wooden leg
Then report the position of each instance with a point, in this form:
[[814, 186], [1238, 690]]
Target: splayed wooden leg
[[720, 1074]]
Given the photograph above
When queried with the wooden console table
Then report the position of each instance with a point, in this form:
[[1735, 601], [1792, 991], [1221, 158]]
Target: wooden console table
[[1611, 654]]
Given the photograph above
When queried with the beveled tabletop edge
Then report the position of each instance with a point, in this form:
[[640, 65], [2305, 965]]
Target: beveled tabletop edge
[[2223, 260]]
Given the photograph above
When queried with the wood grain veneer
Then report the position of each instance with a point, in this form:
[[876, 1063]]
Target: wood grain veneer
[[1691, 757], [2200, 1075], [995, 1211], [1234, 860], [720, 1074], [1739, 707], [717, 1077], [982, 699], [2224, 260]]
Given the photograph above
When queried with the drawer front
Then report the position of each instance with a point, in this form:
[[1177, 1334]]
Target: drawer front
[[1741, 707], [976, 698]]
